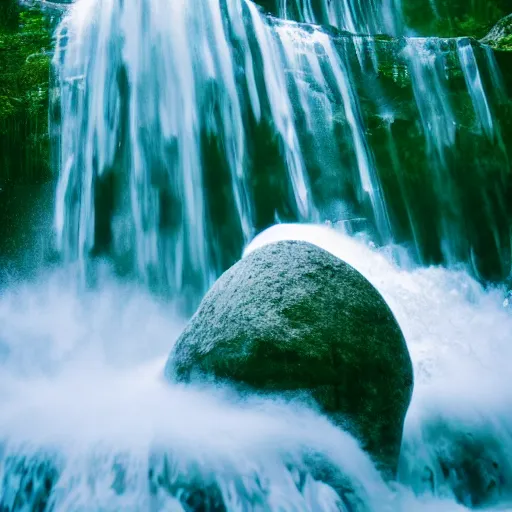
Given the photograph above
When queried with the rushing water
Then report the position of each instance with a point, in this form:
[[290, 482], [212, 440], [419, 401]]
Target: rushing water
[[123, 121], [87, 418], [183, 128]]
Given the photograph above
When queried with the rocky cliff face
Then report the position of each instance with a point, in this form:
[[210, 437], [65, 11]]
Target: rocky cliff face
[[500, 36]]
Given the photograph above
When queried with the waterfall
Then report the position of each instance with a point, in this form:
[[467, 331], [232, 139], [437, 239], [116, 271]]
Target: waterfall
[[182, 130], [264, 121], [125, 128], [355, 16]]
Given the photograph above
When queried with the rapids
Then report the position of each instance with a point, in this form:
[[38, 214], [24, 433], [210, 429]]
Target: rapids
[[82, 389]]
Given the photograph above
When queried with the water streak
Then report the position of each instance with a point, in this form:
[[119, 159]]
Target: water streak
[[135, 118], [475, 86], [355, 16]]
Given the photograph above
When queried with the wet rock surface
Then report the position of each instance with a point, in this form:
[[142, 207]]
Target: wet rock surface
[[291, 317], [500, 36]]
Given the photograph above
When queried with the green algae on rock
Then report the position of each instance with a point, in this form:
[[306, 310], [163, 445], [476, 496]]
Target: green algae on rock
[[500, 36]]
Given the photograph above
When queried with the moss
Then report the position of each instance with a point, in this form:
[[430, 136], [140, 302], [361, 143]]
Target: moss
[[466, 26], [503, 44], [24, 81], [384, 37], [469, 26], [397, 73]]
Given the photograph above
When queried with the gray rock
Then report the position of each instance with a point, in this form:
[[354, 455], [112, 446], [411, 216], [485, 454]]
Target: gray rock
[[499, 36], [293, 317]]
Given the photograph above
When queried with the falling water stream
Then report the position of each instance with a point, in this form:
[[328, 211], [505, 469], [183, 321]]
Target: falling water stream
[[184, 129]]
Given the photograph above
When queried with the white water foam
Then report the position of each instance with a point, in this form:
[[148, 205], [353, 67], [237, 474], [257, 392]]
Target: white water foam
[[459, 337], [81, 386]]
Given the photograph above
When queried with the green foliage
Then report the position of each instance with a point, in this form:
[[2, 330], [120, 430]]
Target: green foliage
[[471, 27], [467, 26], [454, 18], [9, 12], [505, 43], [24, 60], [24, 82]]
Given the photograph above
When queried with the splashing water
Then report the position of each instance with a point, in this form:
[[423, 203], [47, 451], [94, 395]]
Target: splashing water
[[87, 421], [458, 426]]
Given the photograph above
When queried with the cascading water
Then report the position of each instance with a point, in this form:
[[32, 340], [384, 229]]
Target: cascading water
[[123, 127], [186, 128], [271, 113], [88, 423], [355, 16], [439, 124]]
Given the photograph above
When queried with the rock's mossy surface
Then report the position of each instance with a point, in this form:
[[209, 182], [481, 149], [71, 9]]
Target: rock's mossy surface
[[500, 36]]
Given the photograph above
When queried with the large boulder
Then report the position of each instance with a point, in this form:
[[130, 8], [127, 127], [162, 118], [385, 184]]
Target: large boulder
[[293, 317]]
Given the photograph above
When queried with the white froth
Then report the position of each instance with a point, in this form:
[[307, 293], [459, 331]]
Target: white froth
[[81, 374]]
